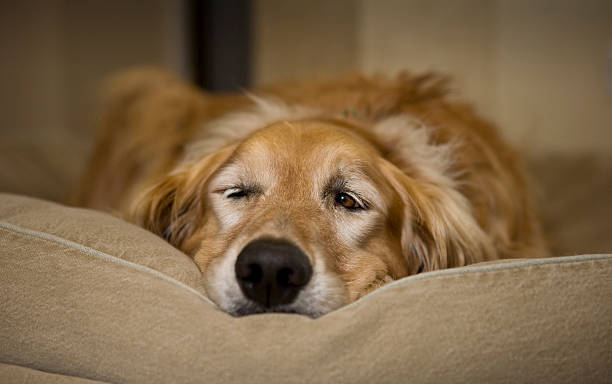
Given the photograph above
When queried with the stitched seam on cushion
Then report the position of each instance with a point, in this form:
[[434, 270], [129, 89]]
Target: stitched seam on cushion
[[55, 373], [100, 255], [475, 269]]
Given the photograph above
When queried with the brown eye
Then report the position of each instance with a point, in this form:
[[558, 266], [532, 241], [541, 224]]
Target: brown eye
[[347, 201]]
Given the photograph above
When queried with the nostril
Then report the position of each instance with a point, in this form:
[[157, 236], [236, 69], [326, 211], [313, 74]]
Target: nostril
[[250, 272], [297, 276], [283, 277]]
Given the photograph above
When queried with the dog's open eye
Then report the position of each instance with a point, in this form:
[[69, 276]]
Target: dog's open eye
[[347, 201]]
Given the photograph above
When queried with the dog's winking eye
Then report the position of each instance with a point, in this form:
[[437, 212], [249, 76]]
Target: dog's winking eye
[[237, 193]]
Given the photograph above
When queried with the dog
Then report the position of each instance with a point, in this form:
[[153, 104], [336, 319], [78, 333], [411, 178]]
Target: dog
[[303, 197]]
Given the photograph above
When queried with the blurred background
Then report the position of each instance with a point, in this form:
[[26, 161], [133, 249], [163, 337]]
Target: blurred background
[[541, 70]]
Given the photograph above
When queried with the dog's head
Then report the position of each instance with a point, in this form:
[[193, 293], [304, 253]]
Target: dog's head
[[307, 215]]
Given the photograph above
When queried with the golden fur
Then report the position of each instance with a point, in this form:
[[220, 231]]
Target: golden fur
[[441, 187]]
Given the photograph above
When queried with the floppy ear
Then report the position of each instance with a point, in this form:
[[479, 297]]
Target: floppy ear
[[174, 207], [439, 229]]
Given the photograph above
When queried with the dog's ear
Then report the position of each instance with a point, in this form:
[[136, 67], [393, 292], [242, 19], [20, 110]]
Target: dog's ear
[[174, 207], [438, 227], [168, 208]]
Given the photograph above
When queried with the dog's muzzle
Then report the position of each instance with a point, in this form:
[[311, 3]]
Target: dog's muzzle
[[271, 272]]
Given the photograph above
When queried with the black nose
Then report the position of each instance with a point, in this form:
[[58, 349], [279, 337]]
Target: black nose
[[272, 272]]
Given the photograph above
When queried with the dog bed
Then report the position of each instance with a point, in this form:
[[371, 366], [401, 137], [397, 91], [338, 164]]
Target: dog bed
[[86, 297]]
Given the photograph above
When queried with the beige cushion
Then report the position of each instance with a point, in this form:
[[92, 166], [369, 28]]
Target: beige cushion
[[85, 295]]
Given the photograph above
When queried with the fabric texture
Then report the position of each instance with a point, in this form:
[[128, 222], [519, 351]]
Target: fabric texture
[[84, 295], [13, 374]]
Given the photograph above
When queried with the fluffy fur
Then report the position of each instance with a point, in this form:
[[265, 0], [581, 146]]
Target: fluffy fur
[[438, 186]]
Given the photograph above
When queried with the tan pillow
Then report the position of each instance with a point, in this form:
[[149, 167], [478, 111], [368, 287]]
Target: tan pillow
[[84, 295]]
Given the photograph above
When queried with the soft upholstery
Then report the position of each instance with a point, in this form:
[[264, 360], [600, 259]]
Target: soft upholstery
[[84, 295]]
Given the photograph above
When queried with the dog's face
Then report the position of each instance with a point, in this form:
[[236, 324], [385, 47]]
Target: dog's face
[[297, 219], [300, 217]]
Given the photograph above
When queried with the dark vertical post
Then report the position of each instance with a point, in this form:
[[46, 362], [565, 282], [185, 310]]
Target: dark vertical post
[[221, 35]]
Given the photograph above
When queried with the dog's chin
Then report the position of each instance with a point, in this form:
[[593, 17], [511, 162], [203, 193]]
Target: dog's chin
[[247, 307]]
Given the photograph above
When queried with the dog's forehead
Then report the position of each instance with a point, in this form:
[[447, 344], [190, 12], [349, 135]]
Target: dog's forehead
[[307, 141]]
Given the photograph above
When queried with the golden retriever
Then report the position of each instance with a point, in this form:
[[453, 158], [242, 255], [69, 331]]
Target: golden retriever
[[304, 197]]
